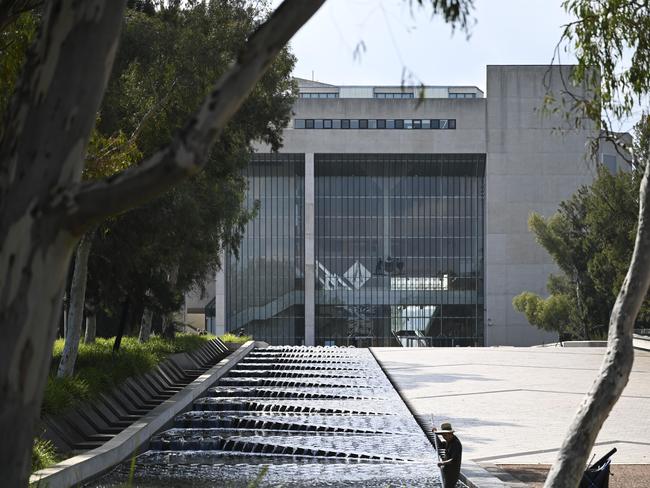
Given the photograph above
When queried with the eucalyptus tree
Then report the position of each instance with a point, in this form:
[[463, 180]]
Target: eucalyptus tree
[[610, 40], [45, 208]]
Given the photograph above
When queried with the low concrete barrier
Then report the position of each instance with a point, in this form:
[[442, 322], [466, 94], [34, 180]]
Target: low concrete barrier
[[641, 342], [79, 468]]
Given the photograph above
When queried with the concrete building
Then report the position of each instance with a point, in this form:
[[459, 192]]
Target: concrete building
[[399, 214]]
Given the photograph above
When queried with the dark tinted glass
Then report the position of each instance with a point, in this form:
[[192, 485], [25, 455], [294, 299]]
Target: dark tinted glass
[[309, 124]]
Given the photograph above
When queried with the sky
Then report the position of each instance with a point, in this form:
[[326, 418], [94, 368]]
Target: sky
[[373, 42]]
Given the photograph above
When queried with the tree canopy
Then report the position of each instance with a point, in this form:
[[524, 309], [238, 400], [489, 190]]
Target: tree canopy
[[165, 66]]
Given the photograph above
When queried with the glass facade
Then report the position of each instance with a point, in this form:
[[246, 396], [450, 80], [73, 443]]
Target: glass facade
[[399, 249], [265, 285]]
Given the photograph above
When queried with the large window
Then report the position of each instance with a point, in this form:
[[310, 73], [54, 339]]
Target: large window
[[264, 286], [399, 249]]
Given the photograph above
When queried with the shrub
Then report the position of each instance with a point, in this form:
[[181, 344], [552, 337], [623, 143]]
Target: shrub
[[235, 338], [43, 454], [97, 369]]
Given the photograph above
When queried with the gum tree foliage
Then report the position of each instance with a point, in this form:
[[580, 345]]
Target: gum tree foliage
[[45, 207], [166, 61], [611, 39], [590, 238]]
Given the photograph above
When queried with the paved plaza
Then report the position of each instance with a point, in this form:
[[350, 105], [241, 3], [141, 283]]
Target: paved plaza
[[514, 405]]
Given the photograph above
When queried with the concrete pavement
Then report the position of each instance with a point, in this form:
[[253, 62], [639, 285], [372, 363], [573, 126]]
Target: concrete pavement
[[514, 405]]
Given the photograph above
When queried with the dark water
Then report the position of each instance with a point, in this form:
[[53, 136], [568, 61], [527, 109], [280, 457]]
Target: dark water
[[290, 416]]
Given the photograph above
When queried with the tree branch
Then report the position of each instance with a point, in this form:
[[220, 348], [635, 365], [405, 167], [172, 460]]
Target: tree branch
[[617, 363], [188, 151]]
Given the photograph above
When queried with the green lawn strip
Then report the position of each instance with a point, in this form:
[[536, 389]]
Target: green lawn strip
[[235, 338], [98, 370]]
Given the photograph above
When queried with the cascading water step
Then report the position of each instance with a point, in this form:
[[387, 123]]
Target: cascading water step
[[290, 416], [296, 393]]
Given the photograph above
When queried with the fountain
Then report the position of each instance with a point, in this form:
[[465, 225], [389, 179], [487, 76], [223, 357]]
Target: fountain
[[290, 416]]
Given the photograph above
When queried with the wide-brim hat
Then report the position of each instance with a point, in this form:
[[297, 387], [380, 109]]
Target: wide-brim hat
[[446, 428]]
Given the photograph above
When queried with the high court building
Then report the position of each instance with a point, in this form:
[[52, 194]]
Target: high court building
[[399, 215]]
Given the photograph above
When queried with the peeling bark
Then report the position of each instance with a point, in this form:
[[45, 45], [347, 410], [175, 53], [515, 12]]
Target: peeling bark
[[617, 363], [77, 299], [44, 137]]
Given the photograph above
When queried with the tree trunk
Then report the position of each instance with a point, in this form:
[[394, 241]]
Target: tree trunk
[[91, 328], [42, 146], [124, 319], [617, 364], [145, 325], [44, 207], [168, 331], [77, 299]]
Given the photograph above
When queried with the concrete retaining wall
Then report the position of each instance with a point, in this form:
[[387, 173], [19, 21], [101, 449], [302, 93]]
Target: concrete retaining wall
[[77, 469]]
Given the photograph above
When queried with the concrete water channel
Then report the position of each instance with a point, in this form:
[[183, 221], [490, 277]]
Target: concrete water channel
[[290, 416]]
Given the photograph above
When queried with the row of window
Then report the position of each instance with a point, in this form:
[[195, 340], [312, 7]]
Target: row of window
[[374, 123], [394, 95], [319, 95], [462, 95]]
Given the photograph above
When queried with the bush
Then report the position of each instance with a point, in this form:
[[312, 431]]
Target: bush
[[97, 369], [235, 338], [43, 454]]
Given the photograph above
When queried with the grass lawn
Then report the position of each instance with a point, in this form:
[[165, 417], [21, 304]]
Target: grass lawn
[[98, 370]]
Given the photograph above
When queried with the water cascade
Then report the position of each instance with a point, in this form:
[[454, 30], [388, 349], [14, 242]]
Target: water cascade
[[290, 416]]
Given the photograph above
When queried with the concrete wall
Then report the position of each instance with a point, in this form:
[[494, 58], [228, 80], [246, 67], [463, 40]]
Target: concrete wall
[[468, 137], [530, 168]]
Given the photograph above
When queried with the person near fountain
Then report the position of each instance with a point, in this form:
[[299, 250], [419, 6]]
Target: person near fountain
[[449, 463]]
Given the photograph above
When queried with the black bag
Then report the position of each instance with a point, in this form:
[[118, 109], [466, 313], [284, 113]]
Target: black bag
[[597, 475]]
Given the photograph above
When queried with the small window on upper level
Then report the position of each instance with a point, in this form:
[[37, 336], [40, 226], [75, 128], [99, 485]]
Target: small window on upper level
[[318, 95], [462, 95], [395, 95], [299, 123]]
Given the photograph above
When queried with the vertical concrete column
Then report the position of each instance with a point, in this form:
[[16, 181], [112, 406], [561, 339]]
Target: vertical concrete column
[[310, 260], [220, 298]]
